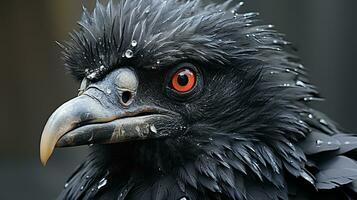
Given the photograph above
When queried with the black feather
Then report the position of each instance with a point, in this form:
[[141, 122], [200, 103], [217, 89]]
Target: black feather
[[336, 172]]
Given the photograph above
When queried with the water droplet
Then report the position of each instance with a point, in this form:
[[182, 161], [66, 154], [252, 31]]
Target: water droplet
[[109, 91], [290, 144], [82, 187], [319, 142], [153, 129], [329, 143], [322, 121], [300, 83], [102, 183], [87, 177], [310, 116], [101, 68], [183, 198], [92, 75], [129, 53], [134, 43], [158, 62], [90, 145], [66, 185], [210, 139], [347, 142]]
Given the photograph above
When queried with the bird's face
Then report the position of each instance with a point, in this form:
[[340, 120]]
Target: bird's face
[[187, 79], [127, 104]]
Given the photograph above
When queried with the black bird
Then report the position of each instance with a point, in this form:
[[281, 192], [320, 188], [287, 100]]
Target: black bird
[[187, 101]]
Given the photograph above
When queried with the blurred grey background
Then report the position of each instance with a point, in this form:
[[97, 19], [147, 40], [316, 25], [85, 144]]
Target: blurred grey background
[[33, 82]]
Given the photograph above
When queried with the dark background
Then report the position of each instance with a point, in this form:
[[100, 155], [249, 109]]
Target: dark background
[[33, 82]]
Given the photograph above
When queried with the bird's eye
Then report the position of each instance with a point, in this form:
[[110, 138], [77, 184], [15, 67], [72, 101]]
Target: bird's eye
[[183, 80]]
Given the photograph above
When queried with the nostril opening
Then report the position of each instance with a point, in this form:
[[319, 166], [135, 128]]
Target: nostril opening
[[126, 96]]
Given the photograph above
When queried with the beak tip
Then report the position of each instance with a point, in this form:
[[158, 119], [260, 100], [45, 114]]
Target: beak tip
[[43, 162], [59, 123], [43, 158], [45, 152]]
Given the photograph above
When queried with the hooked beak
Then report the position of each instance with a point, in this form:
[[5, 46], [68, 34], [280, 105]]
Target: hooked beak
[[88, 119], [83, 121]]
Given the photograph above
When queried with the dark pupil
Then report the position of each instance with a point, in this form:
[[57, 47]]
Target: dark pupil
[[182, 79]]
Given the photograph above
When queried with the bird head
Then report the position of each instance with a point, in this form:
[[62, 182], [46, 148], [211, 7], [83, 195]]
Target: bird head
[[170, 84]]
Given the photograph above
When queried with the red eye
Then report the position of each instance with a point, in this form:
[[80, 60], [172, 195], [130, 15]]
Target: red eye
[[183, 80]]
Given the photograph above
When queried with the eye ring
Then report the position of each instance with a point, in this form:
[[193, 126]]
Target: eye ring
[[192, 91], [184, 80]]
